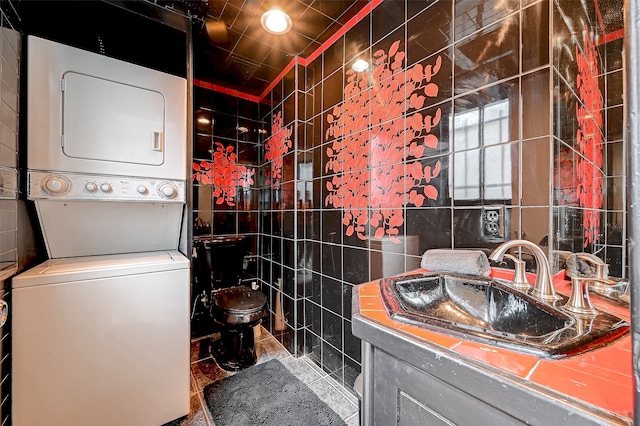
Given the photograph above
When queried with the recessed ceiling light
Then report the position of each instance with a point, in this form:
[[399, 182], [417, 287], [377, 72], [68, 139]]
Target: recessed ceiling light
[[276, 21], [360, 65]]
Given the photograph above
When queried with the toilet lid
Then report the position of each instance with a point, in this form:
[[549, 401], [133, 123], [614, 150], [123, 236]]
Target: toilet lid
[[240, 299]]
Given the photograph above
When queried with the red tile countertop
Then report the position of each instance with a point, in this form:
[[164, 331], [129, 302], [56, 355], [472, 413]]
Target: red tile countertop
[[602, 377]]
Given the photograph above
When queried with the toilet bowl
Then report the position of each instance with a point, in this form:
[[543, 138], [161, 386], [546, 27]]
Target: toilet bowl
[[234, 309]]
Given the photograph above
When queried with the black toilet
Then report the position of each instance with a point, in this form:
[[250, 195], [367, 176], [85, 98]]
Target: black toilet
[[235, 309]]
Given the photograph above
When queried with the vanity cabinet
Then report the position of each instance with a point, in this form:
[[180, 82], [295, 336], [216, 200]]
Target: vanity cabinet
[[408, 396], [412, 377]]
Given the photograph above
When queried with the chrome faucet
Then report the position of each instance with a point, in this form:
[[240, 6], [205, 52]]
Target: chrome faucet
[[543, 288]]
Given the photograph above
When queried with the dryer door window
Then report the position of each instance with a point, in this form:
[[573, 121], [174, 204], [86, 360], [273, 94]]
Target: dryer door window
[[110, 121]]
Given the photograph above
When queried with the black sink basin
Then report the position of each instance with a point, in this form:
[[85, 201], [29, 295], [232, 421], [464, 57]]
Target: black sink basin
[[482, 308]]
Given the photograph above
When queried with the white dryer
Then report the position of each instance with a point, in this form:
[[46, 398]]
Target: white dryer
[[90, 113], [102, 340]]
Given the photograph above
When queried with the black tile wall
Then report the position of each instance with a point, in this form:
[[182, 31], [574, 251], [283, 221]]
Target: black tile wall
[[230, 123], [475, 15], [386, 18], [535, 104], [429, 31], [489, 55], [535, 39], [501, 133]]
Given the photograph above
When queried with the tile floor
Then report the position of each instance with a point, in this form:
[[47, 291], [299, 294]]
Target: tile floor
[[204, 371]]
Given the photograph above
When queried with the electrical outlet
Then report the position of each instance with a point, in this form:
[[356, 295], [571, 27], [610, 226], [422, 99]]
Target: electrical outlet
[[493, 222]]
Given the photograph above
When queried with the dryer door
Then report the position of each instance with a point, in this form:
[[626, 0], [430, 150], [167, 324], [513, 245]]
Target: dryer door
[[110, 121]]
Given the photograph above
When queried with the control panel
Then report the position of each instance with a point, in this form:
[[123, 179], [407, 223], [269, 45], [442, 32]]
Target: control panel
[[73, 186]]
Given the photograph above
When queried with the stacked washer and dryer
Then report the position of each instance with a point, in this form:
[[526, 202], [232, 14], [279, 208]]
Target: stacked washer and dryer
[[101, 330]]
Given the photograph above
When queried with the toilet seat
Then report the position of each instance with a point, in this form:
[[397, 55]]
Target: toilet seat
[[237, 310], [238, 305]]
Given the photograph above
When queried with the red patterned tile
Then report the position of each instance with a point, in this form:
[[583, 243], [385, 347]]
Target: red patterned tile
[[224, 174], [378, 189], [275, 149], [579, 178]]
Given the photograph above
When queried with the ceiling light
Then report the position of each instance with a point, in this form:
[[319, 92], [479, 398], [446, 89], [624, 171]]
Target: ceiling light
[[276, 21], [360, 65], [203, 120]]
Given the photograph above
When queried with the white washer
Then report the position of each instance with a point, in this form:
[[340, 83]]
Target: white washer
[[102, 340]]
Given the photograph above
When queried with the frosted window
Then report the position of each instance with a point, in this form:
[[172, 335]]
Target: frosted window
[[482, 167]]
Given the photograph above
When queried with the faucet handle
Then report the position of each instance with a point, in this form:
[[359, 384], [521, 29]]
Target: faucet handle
[[579, 302], [600, 266], [519, 281]]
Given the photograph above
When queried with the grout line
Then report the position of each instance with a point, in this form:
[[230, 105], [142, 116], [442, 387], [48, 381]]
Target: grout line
[[205, 409], [342, 390], [354, 415], [528, 376]]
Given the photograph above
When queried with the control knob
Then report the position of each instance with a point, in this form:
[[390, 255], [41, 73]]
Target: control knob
[[105, 187], [91, 186], [56, 185], [167, 190], [142, 189]]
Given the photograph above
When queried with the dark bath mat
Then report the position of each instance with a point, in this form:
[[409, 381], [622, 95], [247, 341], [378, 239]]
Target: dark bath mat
[[267, 395]]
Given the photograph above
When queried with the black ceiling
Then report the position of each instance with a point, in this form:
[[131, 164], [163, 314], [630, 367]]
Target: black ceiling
[[235, 53], [111, 28], [251, 58]]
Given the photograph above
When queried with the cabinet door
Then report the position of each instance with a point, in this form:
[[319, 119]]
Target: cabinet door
[[404, 395]]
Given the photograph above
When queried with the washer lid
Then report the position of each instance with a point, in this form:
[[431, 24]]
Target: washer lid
[[63, 270], [240, 299]]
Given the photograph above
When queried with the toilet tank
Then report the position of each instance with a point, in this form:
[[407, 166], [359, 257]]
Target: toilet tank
[[388, 258], [219, 260]]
